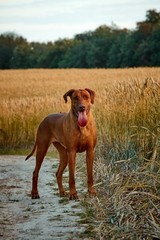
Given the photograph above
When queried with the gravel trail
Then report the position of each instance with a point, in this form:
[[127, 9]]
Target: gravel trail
[[47, 218]]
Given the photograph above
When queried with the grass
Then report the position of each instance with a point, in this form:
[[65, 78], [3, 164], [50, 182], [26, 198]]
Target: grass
[[127, 113], [129, 181]]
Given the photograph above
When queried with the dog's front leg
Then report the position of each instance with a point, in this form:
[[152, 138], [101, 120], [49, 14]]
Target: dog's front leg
[[89, 161], [72, 164]]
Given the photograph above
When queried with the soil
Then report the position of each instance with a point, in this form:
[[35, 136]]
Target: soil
[[47, 218]]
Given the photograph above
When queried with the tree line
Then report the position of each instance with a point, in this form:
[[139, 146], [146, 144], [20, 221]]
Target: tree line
[[106, 47]]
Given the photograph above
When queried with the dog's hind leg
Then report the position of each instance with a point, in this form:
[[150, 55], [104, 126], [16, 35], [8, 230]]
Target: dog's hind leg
[[40, 154]]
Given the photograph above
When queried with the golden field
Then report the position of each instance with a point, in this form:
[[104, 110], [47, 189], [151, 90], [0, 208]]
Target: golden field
[[127, 113], [27, 96]]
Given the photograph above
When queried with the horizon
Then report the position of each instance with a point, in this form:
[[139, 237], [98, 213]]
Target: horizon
[[48, 21]]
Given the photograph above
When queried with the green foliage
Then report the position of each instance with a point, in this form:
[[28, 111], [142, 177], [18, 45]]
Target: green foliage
[[8, 43], [106, 47]]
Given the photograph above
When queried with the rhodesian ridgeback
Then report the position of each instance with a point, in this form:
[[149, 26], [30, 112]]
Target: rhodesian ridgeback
[[70, 133]]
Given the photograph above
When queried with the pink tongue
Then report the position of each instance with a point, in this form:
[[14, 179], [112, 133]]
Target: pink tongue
[[82, 119]]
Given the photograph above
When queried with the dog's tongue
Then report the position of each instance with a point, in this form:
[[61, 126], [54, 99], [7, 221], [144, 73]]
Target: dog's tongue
[[82, 119]]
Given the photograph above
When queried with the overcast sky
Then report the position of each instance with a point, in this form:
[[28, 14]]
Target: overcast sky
[[49, 20]]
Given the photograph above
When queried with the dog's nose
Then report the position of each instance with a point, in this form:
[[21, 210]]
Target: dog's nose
[[81, 108]]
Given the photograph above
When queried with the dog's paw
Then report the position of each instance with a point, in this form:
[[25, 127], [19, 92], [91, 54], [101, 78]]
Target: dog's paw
[[62, 194], [74, 196], [35, 195], [92, 192]]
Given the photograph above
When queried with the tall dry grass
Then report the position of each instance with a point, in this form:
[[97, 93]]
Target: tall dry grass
[[128, 169], [127, 112], [29, 95]]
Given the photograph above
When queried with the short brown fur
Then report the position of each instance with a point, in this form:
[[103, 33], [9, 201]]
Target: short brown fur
[[69, 138]]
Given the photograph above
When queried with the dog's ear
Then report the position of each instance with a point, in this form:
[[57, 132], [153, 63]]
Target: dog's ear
[[92, 94], [68, 94]]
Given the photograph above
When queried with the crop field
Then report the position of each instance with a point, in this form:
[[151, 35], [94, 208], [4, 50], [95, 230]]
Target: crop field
[[127, 114]]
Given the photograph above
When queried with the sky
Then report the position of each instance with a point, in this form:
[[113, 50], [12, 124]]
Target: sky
[[50, 20]]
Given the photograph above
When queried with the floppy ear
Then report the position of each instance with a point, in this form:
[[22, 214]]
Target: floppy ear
[[92, 94], [68, 94]]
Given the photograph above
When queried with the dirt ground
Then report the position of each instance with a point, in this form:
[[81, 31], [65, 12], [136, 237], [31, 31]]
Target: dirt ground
[[49, 217]]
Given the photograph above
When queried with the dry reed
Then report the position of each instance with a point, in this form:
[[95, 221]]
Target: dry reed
[[129, 184]]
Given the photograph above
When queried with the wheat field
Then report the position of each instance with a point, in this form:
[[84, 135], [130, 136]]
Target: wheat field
[[27, 96], [127, 113]]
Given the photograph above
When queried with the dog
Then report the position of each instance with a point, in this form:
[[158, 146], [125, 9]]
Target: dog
[[70, 133]]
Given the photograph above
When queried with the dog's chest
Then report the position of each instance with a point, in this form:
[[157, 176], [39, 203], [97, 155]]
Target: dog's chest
[[83, 140]]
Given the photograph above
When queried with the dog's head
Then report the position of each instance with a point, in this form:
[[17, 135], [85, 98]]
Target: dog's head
[[81, 100]]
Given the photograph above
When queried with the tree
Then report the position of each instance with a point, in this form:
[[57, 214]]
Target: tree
[[153, 17], [20, 57], [57, 52], [75, 56], [116, 54], [146, 47], [8, 41], [154, 44], [38, 54], [106, 46]]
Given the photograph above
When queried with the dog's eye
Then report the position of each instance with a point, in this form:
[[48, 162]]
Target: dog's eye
[[75, 98], [85, 97]]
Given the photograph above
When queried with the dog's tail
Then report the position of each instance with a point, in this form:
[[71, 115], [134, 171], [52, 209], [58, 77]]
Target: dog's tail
[[33, 150]]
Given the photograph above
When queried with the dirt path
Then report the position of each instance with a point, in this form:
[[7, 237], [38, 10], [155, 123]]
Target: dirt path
[[47, 218]]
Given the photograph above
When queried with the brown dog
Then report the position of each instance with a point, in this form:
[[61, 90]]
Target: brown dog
[[70, 133]]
